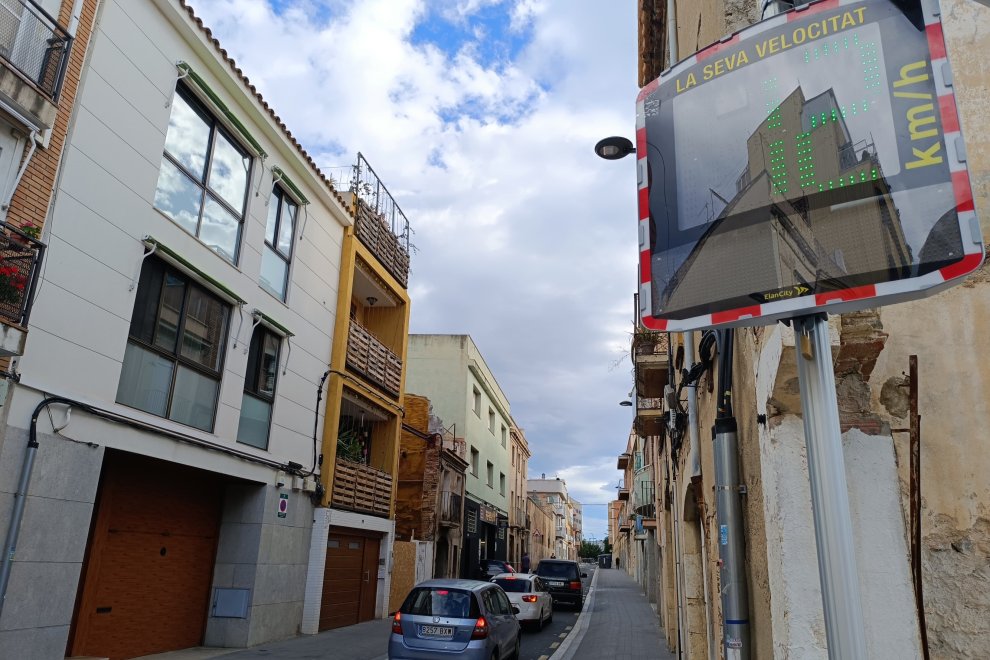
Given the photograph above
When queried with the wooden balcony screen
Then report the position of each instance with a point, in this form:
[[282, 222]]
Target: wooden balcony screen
[[359, 487], [372, 230], [370, 358]]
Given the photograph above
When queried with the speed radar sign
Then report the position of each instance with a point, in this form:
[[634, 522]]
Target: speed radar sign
[[812, 162]]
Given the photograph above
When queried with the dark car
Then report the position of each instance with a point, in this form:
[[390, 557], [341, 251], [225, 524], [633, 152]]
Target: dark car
[[563, 580], [455, 619], [489, 568]]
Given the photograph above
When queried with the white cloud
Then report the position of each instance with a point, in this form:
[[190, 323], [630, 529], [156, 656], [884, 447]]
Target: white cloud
[[526, 240]]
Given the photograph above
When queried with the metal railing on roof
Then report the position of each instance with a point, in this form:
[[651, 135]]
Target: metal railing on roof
[[33, 43]]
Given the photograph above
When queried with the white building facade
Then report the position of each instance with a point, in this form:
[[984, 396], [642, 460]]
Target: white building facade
[[181, 330]]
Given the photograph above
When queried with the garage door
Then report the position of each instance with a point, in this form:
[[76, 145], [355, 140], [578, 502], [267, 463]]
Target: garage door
[[149, 565], [350, 581]]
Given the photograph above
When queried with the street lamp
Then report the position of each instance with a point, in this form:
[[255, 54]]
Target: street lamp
[[614, 148]]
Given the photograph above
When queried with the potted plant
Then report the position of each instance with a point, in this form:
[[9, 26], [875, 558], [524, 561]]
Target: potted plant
[[12, 283]]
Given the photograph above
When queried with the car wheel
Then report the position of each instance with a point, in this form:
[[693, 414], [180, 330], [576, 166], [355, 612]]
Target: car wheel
[[550, 618], [515, 652], [539, 621]]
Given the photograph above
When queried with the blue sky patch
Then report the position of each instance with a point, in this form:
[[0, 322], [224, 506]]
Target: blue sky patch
[[486, 32]]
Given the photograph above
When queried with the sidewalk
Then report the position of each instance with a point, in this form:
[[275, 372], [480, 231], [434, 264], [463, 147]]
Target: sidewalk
[[363, 641], [620, 623]]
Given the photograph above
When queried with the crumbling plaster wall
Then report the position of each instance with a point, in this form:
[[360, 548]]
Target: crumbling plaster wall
[[949, 334]]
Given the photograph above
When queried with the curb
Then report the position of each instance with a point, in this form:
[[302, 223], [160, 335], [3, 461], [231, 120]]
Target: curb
[[564, 651]]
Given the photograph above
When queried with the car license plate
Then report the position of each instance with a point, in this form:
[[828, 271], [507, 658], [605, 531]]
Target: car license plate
[[436, 631], [554, 583]]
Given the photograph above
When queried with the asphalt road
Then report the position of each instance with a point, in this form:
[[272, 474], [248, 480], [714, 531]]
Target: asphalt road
[[541, 644]]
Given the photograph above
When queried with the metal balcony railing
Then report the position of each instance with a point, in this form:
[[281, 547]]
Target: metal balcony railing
[[362, 488], [372, 359], [34, 44], [450, 508], [20, 261], [381, 225]]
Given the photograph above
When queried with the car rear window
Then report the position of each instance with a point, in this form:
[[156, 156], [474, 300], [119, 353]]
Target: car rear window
[[438, 601], [512, 585], [556, 569]]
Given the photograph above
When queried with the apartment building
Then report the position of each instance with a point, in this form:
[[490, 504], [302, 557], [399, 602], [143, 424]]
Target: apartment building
[[182, 325], [542, 529], [356, 525], [451, 371], [519, 520], [553, 493]]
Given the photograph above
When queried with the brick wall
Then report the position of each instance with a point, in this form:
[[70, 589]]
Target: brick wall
[[29, 205]]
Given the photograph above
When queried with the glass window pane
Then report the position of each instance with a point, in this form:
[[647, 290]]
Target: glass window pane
[[145, 313], [229, 172], [194, 399], [268, 370], [273, 272], [285, 228], [188, 136], [220, 230], [145, 380], [178, 196], [255, 421], [167, 329], [202, 336], [272, 217]]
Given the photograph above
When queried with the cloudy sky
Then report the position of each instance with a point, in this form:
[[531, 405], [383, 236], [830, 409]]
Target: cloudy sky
[[480, 117]]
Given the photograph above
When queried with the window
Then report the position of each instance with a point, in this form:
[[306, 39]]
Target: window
[[501, 484], [259, 388], [174, 354], [477, 402], [491, 475], [474, 461], [491, 421], [503, 435], [277, 253], [203, 181]]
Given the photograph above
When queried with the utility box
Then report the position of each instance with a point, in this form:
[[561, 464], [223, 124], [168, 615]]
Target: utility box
[[605, 561]]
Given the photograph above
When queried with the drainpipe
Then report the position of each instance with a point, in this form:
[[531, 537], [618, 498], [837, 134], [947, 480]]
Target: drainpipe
[[672, 32], [728, 506], [692, 423], [32, 146]]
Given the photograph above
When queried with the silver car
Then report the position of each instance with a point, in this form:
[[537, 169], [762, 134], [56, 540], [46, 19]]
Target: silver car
[[455, 619]]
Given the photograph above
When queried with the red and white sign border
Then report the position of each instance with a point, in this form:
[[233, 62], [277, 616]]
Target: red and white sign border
[[845, 299]]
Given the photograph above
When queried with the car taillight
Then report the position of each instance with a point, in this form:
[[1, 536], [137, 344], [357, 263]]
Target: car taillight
[[480, 629], [576, 585], [397, 624], [529, 598]]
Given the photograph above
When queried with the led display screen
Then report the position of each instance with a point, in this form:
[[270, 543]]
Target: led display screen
[[810, 154]]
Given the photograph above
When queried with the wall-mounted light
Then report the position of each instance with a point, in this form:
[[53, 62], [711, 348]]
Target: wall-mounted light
[[371, 301], [626, 403]]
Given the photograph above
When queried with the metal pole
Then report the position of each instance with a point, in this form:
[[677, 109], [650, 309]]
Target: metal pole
[[829, 495], [728, 509]]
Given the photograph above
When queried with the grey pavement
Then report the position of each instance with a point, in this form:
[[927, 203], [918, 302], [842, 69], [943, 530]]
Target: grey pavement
[[620, 622], [363, 641]]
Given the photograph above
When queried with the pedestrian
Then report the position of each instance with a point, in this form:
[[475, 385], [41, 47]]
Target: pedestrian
[[525, 562], [616, 562]]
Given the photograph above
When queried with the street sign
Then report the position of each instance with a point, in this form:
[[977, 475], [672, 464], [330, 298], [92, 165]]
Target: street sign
[[812, 162]]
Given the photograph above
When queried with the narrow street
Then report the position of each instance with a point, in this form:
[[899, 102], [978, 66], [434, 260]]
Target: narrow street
[[617, 623]]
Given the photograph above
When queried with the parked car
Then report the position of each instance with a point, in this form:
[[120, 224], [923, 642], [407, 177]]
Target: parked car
[[455, 619], [489, 568], [530, 595], [563, 580]]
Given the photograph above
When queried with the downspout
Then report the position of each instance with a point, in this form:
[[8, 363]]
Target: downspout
[[692, 423], [672, 32], [31, 148]]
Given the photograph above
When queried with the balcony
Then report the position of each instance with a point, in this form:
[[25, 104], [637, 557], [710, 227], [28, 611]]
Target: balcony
[[623, 461], [451, 509], [34, 52], [518, 517], [649, 416], [623, 494], [649, 349], [361, 488], [20, 259], [624, 526], [561, 533], [644, 493], [380, 224], [370, 358]]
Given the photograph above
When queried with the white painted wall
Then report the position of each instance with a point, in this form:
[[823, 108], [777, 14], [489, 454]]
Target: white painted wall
[[104, 206]]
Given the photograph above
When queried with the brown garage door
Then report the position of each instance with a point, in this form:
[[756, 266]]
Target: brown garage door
[[149, 564], [350, 580]]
